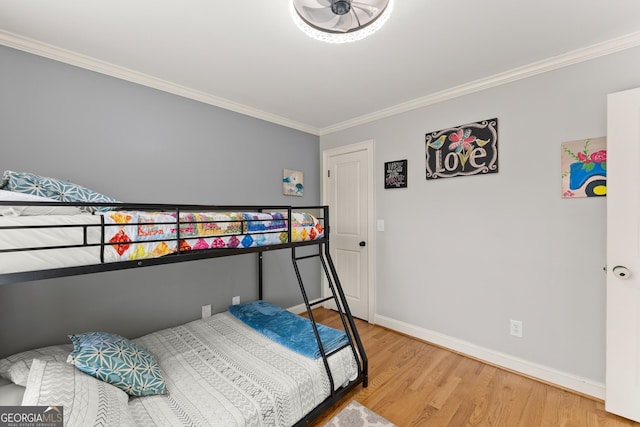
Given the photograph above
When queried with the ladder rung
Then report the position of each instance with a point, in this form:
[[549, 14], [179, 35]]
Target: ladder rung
[[320, 301], [336, 350], [307, 256]]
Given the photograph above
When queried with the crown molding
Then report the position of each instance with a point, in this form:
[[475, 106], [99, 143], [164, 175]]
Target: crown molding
[[35, 47], [72, 58], [564, 60]]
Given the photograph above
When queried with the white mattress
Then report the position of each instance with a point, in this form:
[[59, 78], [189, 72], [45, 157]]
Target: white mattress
[[12, 262]]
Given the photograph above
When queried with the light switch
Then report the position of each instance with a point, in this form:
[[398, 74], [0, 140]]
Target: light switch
[[381, 225]]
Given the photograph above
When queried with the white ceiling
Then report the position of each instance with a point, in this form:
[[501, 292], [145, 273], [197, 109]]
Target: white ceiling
[[249, 57]]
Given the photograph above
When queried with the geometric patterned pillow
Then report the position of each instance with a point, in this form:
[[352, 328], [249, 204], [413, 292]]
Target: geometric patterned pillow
[[83, 400], [118, 361], [63, 191]]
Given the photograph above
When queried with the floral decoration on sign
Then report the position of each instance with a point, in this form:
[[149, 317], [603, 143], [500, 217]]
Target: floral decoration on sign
[[584, 168]]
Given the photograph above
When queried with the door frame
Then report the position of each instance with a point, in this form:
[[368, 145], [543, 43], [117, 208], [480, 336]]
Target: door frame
[[368, 146]]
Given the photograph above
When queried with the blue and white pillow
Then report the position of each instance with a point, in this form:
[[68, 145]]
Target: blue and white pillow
[[117, 361], [63, 191]]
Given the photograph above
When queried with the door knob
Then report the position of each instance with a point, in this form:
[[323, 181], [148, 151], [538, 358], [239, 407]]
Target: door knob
[[363, 244], [621, 272]]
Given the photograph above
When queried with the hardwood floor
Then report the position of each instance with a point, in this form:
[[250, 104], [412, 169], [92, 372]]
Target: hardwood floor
[[413, 383]]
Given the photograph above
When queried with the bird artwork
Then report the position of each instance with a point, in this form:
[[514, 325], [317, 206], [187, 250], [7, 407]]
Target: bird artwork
[[292, 183], [438, 143]]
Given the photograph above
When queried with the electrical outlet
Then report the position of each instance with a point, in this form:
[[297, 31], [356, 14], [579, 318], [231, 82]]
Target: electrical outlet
[[516, 328], [206, 311], [235, 300]]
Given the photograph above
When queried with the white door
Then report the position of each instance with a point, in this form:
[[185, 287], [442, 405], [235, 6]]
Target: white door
[[623, 255], [348, 191]]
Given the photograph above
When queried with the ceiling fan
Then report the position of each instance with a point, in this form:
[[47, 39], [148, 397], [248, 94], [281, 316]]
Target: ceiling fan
[[339, 20]]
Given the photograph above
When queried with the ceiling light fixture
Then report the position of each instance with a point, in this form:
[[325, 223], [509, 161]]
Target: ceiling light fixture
[[340, 21]]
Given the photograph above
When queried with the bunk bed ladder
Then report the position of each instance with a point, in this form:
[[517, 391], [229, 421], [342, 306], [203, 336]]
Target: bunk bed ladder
[[339, 299], [345, 312]]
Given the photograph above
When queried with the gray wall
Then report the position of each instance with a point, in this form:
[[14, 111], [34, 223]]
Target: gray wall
[[503, 246], [142, 145]]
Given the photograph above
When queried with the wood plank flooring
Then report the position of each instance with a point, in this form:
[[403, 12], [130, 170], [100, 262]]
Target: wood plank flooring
[[413, 383]]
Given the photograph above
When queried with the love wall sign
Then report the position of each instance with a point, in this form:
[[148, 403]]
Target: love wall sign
[[470, 149]]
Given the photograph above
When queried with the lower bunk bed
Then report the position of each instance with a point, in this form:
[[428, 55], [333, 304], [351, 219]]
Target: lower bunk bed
[[224, 370]]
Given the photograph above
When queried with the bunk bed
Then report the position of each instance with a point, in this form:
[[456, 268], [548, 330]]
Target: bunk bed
[[256, 364]]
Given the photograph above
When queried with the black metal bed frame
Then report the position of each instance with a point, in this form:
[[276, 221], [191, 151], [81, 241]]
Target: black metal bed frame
[[337, 295]]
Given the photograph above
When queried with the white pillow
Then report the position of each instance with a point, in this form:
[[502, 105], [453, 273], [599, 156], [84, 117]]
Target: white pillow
[[15, 368], [11, 394], [13, 196], [86, 401]]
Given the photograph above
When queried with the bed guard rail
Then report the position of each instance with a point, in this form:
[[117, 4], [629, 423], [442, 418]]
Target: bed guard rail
[[179, 231]]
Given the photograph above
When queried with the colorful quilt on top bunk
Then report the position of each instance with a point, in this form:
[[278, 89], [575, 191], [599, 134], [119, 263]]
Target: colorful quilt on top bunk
[[133, 235]]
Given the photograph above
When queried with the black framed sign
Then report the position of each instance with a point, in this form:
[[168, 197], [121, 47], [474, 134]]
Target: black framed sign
[[470, 149], [395, 174]]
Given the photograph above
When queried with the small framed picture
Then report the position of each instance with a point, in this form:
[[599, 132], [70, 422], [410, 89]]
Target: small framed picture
[[292, 183], [395, 174], [584, 168]]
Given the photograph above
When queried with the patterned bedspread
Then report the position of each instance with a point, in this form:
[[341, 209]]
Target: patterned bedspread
[[138, 235], [220, 372]]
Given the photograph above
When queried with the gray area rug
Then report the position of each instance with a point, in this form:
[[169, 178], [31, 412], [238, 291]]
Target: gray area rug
[[356, 415]]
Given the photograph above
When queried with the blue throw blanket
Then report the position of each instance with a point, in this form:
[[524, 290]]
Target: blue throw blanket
[[289, 329]]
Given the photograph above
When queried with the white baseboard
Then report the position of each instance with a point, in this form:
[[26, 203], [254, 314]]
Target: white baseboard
[[300, 308], [544, 373]]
